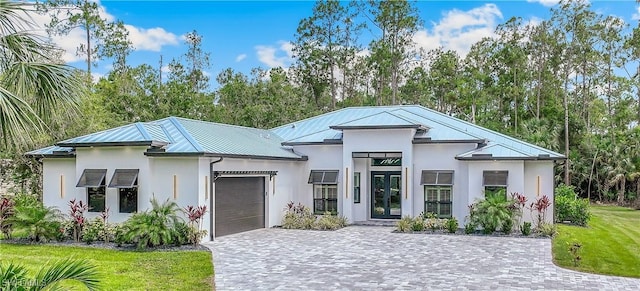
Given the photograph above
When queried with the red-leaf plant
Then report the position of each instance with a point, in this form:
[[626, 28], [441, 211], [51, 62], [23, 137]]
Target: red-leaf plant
[[195, 215], [520, 203], [541, 205], [6, 212], [76, 211]]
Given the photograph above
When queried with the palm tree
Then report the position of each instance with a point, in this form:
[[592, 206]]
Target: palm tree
[[14, 277], [35, 89], [39, 222]]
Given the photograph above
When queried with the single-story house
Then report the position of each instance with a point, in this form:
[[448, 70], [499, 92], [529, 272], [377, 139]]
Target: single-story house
[[365, 163]]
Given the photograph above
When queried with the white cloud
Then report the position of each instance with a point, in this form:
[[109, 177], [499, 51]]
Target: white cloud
[[545, 3], [241, 57], [152, 39], [636, 16], [281, 56], [149, 39], [459, 30]]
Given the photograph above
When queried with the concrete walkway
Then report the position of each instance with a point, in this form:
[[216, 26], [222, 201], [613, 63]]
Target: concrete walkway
[[374, 258]]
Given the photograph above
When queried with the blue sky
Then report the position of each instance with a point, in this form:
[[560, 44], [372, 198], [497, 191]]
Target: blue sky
[[248, 34]]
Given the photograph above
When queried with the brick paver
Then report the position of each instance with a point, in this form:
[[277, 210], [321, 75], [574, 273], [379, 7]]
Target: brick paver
[[375, 258]]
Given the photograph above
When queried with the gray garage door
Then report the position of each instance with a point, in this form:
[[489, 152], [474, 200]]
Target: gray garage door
[[239, 204]]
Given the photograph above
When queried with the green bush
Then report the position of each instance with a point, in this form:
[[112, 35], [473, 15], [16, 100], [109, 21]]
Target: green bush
[[507, 226], [417, 224], [329, 221], [470, 228], [182, 233], [547, 229], [404, 224], [92, 230], [526, 228], [451, 225], [298, 217], [571, 208], [155, 227], [494, 212], [38, 222]]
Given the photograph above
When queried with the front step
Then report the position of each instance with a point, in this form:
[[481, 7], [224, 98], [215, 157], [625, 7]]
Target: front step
[[385, 222]]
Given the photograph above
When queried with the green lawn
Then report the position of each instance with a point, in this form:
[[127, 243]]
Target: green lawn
[[610, 244], [121, 270]]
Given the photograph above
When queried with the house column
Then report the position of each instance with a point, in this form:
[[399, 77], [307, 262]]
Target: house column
[[346, 189], [407, 183]]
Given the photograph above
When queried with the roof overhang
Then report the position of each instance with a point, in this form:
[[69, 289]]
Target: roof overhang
[[407, 126], [492, 158], [117, 143], [68, 155], [431, 141], [324, 142], [205, 154]]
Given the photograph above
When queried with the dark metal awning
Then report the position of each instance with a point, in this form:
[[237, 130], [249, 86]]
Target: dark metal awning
[[323, 177], [92, 178], [124, 178], [217, 174], [376, 155]]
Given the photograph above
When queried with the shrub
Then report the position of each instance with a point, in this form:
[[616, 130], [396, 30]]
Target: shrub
[[540, 206], [182, 234], [494, 212], [570, 208], [417, 224], [76, 212], [526, 228], [435, 223], [547, 229], [154, 227], [507, 226], [195, 215], [38, 222], [120, 235], [404, 224], [298, 217], [92, 230], [451, 225], [470, 228], [574, 250], [7, 210], [330, 222]]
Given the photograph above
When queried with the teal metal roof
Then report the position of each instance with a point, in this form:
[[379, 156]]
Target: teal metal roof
[[380, 120], [181, 136], [440, 128], [136, 133], [52, 151]]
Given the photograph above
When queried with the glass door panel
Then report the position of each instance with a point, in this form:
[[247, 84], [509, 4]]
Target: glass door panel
[[386, 195]]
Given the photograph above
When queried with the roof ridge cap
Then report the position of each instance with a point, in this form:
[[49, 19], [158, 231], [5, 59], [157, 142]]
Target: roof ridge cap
[[187, 135]]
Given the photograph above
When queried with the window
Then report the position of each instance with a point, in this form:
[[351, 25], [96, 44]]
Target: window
[[94, 181], [437, 200], [96, 198], [325, 198], [438, 188], [495, 183], [126, 180], [356, 187], [325, 191], [128, 200]]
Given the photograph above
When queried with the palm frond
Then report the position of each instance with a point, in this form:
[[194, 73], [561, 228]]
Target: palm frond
[[69, 269]]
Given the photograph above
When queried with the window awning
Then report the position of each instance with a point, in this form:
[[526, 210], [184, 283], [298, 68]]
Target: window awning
[[92, 178], [124, 178], [494, 178], [323, 177], [430, 177]]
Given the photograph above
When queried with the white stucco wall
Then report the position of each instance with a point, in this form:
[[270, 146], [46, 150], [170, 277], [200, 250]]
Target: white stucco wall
[[515, 178], [541, 171], [442, 157], [378, 140], [59, 183], [321, 157], [112, 158]]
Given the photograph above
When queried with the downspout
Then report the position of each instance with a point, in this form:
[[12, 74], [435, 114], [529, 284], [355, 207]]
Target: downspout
[[211, 178]]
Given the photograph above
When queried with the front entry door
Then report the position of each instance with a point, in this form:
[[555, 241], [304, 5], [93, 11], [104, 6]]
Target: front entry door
[[386, 194]]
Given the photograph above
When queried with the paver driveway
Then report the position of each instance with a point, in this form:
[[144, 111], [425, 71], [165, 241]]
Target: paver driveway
[[374, 258]]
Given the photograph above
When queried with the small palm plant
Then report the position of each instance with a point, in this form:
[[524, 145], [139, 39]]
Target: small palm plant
[[493, 212], [15, 277], [154, 227], [39, 222]]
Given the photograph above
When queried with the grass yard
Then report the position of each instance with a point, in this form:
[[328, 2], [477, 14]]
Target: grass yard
[[120, 270], [610, 244]]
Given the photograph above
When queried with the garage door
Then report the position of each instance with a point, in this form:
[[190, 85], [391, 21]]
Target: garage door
[[239, 204]]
